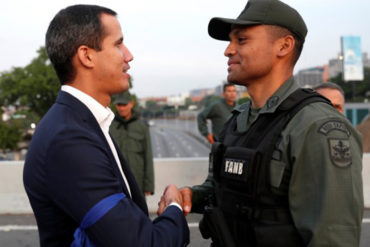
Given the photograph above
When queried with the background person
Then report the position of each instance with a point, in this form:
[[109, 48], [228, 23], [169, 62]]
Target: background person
[[288, 169], [133, 139], [332, 92], [72, 163], [217, 112]]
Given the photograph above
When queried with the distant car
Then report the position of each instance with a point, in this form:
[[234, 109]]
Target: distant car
[[151, 123]]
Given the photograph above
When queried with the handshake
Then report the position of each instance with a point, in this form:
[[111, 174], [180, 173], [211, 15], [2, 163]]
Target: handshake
[[172, 194]]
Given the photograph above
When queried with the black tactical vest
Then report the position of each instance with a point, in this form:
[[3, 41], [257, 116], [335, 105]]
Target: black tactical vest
[[255, 215]]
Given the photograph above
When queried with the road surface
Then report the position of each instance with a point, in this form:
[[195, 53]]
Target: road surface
[[21, 231], [177, 138]]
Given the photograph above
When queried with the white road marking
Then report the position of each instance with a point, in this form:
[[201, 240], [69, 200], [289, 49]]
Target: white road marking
[[193, 224], [7, 228]]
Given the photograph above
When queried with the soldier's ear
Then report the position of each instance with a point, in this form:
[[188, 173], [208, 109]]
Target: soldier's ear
[[285, 45]]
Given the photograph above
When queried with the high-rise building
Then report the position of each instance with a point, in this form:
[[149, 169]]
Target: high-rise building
[[312, 76]]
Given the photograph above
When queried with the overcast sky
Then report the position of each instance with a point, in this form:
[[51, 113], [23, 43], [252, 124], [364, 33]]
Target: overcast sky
[[168, 38]]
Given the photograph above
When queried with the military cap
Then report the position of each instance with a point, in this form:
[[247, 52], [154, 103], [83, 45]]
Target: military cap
[[123, 98], [258, 12]]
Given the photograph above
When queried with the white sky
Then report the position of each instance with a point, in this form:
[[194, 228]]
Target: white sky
[[168, 38]]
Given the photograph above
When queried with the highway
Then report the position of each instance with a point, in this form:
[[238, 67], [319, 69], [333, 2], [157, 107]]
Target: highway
[[177, 138], [21, 231]]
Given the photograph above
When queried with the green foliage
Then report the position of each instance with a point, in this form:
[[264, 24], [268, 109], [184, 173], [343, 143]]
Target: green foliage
[[10, 135], [130, 82], [361, 89], [243, 100], [33, 87]]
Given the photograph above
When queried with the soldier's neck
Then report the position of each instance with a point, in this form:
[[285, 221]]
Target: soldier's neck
[[261, 90]]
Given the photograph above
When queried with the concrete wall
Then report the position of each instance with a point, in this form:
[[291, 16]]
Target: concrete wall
[[181, 172]]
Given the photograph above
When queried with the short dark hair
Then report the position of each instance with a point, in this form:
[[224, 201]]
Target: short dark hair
[[329, 85], [279, 32], [72, 27], [226, 85]]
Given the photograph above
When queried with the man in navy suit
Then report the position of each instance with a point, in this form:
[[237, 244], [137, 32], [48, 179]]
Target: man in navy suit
[[73, 163]]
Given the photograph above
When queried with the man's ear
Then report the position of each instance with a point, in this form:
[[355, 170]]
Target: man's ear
[[85, 56], [285, 45]]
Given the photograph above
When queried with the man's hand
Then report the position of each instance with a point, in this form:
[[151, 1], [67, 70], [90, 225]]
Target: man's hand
[[187, 194], [210, 138], [148, 193], [171, 194]]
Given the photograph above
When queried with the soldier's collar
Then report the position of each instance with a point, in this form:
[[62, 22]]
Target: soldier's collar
[[288, 87], [243, 107]]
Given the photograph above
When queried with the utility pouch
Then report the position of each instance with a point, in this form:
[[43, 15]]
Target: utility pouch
[[237, 168], [214, 226]]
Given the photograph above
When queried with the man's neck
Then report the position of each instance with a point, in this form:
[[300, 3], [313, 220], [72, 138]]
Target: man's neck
[[261, 90], [103, 99], [230, 102]]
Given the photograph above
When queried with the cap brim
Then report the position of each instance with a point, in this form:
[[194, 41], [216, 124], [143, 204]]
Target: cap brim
[[220, 28]]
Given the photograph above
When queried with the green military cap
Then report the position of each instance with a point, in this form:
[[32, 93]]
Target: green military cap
[[257, 12], [123, 98]]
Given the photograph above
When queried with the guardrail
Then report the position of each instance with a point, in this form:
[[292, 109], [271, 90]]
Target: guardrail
[[178, 171]]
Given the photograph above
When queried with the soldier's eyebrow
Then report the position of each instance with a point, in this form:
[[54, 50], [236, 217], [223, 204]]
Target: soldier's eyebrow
[[235, 31]]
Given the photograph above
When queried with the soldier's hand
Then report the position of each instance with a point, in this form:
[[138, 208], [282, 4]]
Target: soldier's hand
[[171, 194], [187, 194], [210, 138]]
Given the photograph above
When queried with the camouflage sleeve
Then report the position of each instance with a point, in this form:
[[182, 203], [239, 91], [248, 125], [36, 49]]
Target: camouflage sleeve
[[202, 120], [201, 194], [325, 192]]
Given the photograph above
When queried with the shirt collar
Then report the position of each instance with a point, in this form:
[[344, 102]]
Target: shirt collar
[[103, 115]]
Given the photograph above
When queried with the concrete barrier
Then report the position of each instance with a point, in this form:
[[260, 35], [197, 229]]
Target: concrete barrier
[[181, 172]]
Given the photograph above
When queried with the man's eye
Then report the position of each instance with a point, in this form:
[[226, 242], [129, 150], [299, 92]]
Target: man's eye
[[241, 39]]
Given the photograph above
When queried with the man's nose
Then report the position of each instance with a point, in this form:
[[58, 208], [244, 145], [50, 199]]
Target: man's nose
[[127, 55], [230, 50]]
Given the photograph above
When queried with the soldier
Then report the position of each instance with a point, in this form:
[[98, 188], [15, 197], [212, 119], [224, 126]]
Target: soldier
[[133, 139], [287, 170], [332, 92], [218, 113]]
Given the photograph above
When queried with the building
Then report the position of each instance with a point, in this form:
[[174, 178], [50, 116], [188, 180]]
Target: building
[[312, 76]]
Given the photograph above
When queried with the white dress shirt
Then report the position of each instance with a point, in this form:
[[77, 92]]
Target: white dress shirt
[[104, 116]]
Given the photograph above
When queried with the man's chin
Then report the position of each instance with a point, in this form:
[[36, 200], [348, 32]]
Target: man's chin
[[233, 80]]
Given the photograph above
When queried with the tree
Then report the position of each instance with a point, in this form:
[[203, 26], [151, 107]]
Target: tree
[[361, 89], [33, 87], [10, 135]]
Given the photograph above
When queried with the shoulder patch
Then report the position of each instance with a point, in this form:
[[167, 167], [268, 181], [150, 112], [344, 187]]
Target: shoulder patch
[[334, 125], [340, 152]]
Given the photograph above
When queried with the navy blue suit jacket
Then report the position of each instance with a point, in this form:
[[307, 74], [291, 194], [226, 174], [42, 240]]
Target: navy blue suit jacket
[[70, 167]]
